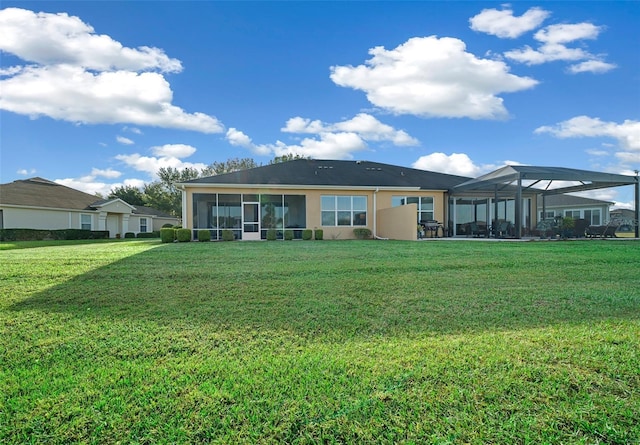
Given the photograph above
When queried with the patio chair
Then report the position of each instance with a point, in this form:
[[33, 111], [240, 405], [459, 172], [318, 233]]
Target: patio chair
[[502, 230], [474, 229]]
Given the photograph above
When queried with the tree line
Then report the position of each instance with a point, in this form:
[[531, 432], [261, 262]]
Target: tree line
[[163, 193]]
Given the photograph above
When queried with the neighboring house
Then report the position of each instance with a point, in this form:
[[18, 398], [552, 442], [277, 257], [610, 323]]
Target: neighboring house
[[594, 211], [38, 203], [339, 196]]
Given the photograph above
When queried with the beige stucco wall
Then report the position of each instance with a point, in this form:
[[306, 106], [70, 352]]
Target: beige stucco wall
[[45, 219], [398, 222], [313, 195]]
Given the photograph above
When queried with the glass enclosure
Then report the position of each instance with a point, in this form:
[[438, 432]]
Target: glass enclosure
[[486, 216], [223, 211]]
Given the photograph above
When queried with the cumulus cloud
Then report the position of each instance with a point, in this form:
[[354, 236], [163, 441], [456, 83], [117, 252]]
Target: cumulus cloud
[[106, 173], [330, 140], [169, 155], [124, 141], [433, 77], [366, 126], [553, 47], [503, 24], [78, 76], [627, 133], [26, 172], [454, 164]]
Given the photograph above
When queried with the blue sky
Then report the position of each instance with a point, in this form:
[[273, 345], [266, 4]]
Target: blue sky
[[100, 94]]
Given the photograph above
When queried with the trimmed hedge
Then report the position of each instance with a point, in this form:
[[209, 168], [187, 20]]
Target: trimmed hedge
[[167, 235], [227, 235], [307, 234], [319, 234], [60, 234], [183, 235], [288, 235], [362, 233], [204, 235], [129, 235], [272, 235], [155, 234]]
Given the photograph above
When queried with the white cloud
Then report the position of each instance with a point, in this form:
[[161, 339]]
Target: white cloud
[[49, 39], [174, 150], [86, 184], [82, 77], [627, 133], [366, 126], [503, 24], [433, 77], [553, 40], [591, 66], [331, 141], [26, 172], [123, 140], [151, 165], [106, 173], [454, 164]]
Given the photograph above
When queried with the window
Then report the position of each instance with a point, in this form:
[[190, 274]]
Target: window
[[85, 222], [343, 210], [549, 214], [424, 203], [143, 225], [572, 214], [592, 216]]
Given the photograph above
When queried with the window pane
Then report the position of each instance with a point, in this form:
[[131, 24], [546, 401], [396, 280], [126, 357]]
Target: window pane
[[344, 218], [360, 219], [328, 203], [413, 200], [360, 203], [329, 218], [250, 198], [426, 203], [295, 214], [397, 201], [344, 202]]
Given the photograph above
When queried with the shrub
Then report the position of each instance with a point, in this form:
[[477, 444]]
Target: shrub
[[183, 235], [204, 235], [288, 235], [306, 234], [271, 235], [167, 226], [129, 235], [227, 235], [167, 235], [362, 233], [319, 234], [155, 234]]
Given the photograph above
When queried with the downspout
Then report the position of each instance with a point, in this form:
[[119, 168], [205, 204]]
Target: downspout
[[185, 219], [637, 216], [375, 213], [518, 207]]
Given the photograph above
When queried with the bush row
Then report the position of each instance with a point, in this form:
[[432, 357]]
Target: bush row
[[60, 234], [173, 234]]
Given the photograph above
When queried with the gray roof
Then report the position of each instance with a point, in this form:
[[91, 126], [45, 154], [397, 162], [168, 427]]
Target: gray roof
[[543, 177], [40, 192], [308, 172]]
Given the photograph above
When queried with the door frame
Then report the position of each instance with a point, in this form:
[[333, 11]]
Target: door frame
[[251, 235]]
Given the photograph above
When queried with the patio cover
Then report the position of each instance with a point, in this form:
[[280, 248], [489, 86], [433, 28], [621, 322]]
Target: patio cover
[[539, 180]]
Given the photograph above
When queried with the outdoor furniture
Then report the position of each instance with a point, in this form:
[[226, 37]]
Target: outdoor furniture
[[502, 229], [432, 228], [477, 230]]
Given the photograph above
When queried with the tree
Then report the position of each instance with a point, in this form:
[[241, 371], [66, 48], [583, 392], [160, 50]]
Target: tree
[[164, 194], [287, 157], [228, 166], [129, 194]]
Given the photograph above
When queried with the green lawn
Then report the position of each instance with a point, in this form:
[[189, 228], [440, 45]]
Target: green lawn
[[320, 342]]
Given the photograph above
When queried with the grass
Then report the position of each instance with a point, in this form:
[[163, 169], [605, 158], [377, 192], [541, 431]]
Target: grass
[[320, 342]]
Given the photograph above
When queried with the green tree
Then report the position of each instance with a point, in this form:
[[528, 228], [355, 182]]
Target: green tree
[[164, 193], [129, 194], [287, 157], [228, 166]]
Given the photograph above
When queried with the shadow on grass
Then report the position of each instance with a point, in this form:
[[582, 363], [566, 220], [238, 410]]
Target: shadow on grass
[[314, 289]]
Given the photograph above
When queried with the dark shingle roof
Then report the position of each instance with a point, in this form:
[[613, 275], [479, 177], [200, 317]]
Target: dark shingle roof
[[308, 172], [39, 192]]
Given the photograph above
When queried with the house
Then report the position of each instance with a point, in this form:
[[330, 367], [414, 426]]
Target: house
[[594, 211], [38, 203], [390, 200]]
